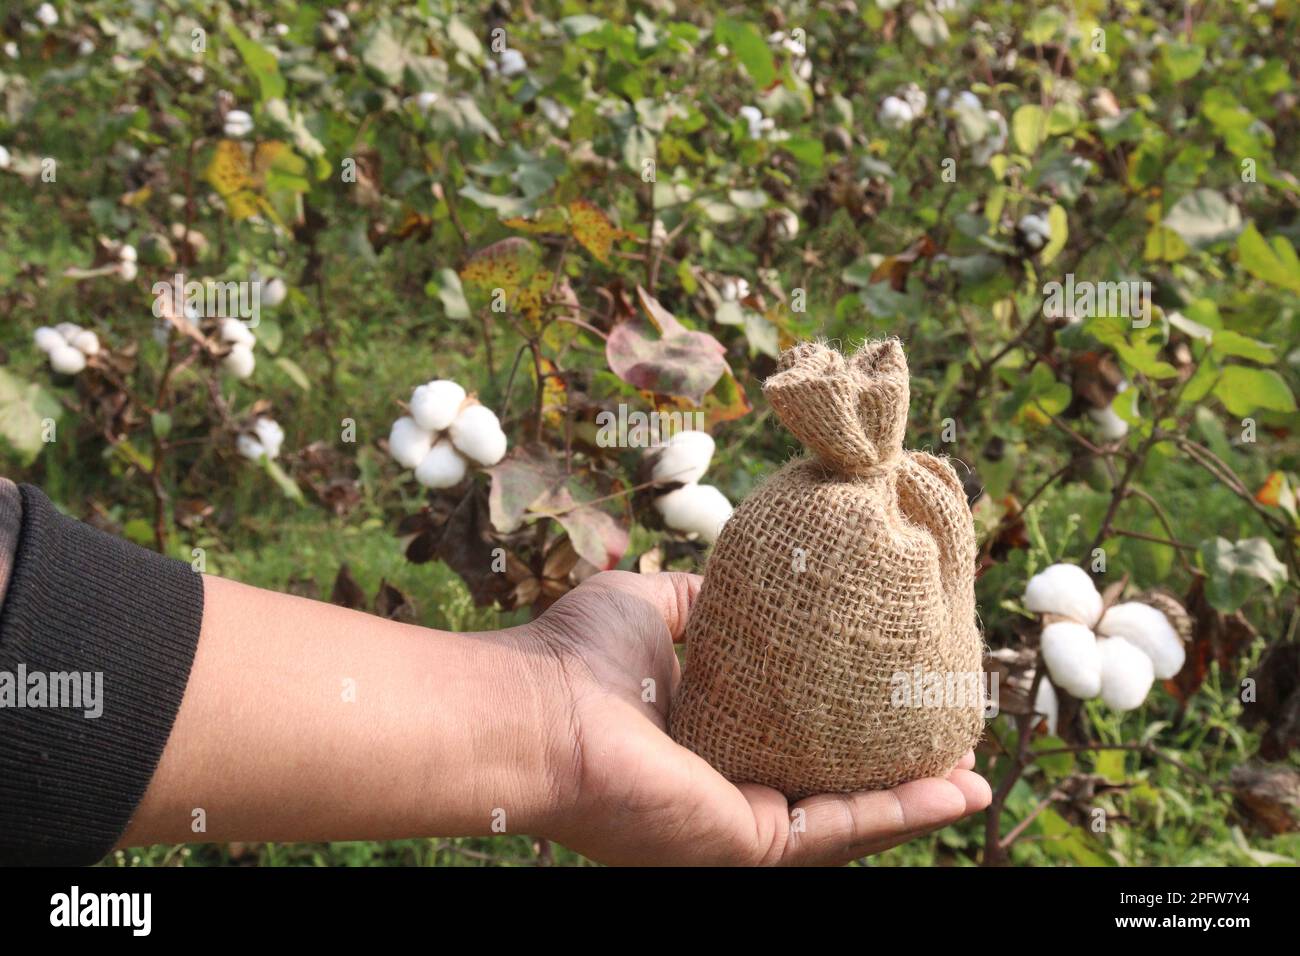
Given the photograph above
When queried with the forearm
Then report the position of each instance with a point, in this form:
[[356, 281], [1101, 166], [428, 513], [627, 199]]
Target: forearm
[[305, 721]]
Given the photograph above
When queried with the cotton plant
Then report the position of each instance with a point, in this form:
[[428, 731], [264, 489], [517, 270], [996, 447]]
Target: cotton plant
[[1108, 423], [693, 509], [446, 433], [237, 124], [127, 263], [67, 346], [263, 440], [1092, 651], [756, 123], [1034, 231], [982, 131], [239, 360]]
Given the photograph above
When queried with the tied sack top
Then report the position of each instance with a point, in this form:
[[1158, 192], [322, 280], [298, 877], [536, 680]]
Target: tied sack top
[[834, 645]]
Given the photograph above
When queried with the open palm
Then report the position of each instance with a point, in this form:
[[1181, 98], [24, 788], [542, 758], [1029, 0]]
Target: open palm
[[637, 797]]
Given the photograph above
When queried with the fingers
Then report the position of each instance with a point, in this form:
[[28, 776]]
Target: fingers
[[967, 762], [837, 828], [672, 593]]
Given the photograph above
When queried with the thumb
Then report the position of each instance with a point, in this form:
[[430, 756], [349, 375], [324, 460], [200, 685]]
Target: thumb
[[672, 593]]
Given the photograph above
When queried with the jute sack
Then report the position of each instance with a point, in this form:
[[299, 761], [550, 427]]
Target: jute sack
[[834, 644]]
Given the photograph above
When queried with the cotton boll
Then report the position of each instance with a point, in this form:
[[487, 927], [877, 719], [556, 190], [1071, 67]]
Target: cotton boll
[[270, 434], [1109, 425], [249, 447], [915, 98], [1126, 674], [968, 100], [128, 254], [685, 457], [1070, 653], [1046, 703], [66, 360], [273, 292], [426, 100], [48, 339], [994, 143], [695, 509], [1066, 590], [435, 405], [5, 158], [408, 443], [46, 15], [895, 113], [442, 467], [238, 124], [1034, 230], [237, 333], [240, 361], [787, 224], [511, 62], [477, 435], [86, 342], [1147, 629], [127, 270], [758, 123], [67, 330]]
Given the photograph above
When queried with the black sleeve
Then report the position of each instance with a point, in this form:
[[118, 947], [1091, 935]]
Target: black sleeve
[[109, 630]]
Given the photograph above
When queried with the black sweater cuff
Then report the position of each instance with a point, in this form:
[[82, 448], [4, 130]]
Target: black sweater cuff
[[82, 601]]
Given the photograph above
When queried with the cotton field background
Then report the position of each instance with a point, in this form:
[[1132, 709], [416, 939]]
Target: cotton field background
[[389, 304]]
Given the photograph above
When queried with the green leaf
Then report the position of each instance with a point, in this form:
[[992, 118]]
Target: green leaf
[[287, 485], [1182, 60], [1243, 390], [1237, 570], [1276, 264], [750, 48], [161, 422], [24, 406], [1204, 217], [295, 372], [452, 295], [1029, 128], [261, 63], [1228, 342], [1060, 227]]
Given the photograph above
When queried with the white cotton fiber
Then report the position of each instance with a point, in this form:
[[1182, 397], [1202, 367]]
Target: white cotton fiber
[[237, 333], [408, 443], [1064, 589], [66, 360], [1071, 655], [86, 342], [1126, 674], [442, 467], [477, 435], [48, 339], [695, 509], [434, 406], [240, 361], [685, 457], [1148, 630], [1046, 703]]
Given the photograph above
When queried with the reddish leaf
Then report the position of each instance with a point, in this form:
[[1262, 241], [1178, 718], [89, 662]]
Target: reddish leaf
[[523, 477]]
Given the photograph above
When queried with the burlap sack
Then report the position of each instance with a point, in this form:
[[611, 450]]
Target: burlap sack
[[844, 570]]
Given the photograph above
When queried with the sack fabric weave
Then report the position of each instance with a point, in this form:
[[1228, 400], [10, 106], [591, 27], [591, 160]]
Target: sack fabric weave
[[848, 567]]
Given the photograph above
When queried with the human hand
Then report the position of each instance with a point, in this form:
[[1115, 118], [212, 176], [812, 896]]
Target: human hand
[[628, 794]]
